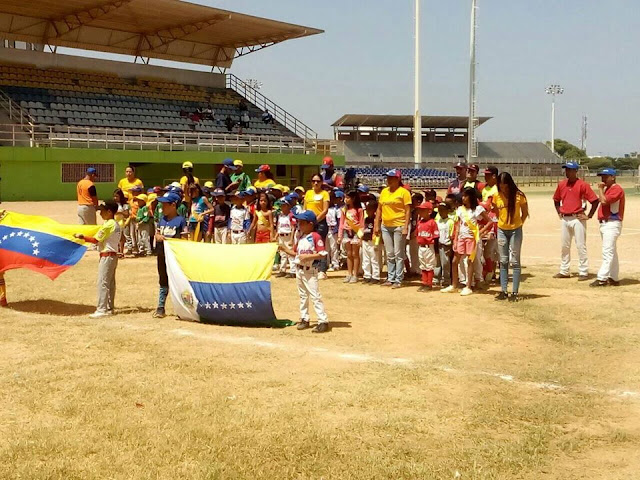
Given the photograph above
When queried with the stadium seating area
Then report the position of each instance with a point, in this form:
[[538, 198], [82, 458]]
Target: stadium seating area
[[416, 177], [66, 98]]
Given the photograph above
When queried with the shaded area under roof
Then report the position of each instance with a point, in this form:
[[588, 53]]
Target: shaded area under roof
[[165, 29], [404, 121]]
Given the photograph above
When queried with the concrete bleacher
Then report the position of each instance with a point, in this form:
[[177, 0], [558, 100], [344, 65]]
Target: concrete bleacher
[[391, 153], [416, 177], [61, 98]]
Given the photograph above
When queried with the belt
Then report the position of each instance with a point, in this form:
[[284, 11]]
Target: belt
[[284, 234], [237, 231], [570, 214], [108, 254], [609, 220], [302, 267]]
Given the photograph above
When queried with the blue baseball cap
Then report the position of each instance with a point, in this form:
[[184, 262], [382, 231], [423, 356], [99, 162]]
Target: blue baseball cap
[[571, 165], [239, 194], [170, 197], [228, 162], [363, 189], [608, 171], [218, 192], [91, 171], [394, 173], [338, 193], [307, 216], [293, 195]]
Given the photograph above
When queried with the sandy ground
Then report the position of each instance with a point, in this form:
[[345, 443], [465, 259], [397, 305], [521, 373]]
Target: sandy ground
[[406, 385]]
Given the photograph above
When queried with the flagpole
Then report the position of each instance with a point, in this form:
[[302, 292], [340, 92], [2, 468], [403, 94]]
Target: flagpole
[[417, 120]]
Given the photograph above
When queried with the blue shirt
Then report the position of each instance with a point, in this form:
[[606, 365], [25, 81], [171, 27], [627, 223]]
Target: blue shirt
[[173, 228]]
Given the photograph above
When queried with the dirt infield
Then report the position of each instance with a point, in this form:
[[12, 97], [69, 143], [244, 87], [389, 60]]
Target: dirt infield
[[406, 385]]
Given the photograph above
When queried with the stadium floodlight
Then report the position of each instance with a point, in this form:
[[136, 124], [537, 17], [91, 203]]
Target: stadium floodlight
[[417, 118], [553, 90]]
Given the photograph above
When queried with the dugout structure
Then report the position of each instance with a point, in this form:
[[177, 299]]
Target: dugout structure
[[60, 112]]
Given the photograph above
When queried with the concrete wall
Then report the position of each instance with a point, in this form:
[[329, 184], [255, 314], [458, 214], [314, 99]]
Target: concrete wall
[[123, 69], [35, 174]]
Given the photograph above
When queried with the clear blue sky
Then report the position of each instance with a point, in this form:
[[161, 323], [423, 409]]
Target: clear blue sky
[[363, 63]]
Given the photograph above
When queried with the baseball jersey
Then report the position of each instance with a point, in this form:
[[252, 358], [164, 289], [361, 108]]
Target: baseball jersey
[[571, 196], [108, 236], [614, 209], [308, 245], [239, 219], [286, 224], [427, 231], [333, 218]]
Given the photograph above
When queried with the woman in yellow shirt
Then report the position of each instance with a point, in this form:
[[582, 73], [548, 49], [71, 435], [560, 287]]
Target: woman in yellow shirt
[[513, 211], [392, 220], [265, 178], [317, 200]]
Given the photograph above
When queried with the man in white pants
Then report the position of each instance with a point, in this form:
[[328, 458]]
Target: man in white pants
[[309, 250], [610, 216], [569, 199]]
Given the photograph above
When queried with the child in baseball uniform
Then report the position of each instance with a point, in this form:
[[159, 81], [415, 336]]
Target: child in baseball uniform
[[427, 234], [371, 251], [308, 252], [286, 227], [239, 219], [333, 222]]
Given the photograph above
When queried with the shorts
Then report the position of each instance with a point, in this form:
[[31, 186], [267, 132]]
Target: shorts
[[350, 238], [263, 236], [465, 246]]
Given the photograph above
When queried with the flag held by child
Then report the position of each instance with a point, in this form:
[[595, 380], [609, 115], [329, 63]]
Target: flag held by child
[[225, 284], [40, 244]]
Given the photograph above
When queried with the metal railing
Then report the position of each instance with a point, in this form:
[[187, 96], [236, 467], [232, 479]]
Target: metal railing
[[263, 103], [15, 111], [28, 135]]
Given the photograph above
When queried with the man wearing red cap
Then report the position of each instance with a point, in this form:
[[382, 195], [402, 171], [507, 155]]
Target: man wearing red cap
[[472, 179], [329, 176]]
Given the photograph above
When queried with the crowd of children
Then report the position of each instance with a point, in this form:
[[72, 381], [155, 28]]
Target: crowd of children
[[448, 242]]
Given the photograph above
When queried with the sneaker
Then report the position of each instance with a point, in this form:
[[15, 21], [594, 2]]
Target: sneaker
[[449, 289], [514, 298], [502, 296], [396, 286], [331, 269], [562, 275], [303, 325], [321, 328], [159, 313], [466, 291], [347, 279], [612, 282], [599, 283], [291, 275], [354, 279], [583, 278], [322, 276], [386, 284], [98, 314]]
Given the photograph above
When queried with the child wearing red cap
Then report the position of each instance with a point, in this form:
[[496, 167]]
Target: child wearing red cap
[[427, 234]]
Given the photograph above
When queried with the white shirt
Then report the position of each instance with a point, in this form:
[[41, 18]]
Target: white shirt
[[465, 215], [238, 218], [285, 224]]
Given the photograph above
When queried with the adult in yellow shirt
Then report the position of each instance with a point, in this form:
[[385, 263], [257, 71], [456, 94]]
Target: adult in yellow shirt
[[265, 178], [186, 181], [513, 211], [129, 181], [317, 200], [392, 220]]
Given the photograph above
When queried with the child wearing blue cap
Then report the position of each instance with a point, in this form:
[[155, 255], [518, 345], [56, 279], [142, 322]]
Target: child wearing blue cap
[[333, 222], [239, 219], [171, 225], [286, 227], [308, 252], [220, 219]]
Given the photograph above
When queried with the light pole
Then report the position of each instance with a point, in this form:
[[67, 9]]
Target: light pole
[[417, 118], [471, 130], [553, 90]]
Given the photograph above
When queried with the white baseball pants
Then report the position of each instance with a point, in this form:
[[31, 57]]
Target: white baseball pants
[[238, 238], [610, 268], [307, 281], [371, 260], [221, 235], [572, 227]]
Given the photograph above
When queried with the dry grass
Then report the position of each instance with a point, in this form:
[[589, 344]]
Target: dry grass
[[132, 397]]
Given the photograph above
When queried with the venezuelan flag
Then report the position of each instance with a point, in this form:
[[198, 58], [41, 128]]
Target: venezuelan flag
[[40, 244], [225, 284]]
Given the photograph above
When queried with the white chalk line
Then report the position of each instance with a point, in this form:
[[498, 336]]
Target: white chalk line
[[367, 358]]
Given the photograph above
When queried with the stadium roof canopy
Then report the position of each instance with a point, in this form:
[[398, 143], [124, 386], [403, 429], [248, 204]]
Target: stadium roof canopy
[[165, 29], [403, 121]]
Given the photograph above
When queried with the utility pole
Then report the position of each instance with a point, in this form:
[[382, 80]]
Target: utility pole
[[472, 142], [554, 90]]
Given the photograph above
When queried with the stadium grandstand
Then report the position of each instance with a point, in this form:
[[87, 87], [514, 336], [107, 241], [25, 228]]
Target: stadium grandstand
[[375, 142], [65, 108]]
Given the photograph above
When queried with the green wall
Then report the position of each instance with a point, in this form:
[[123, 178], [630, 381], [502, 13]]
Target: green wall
[[31, 174]]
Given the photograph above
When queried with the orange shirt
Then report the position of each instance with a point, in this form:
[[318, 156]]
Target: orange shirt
[[86, 189]]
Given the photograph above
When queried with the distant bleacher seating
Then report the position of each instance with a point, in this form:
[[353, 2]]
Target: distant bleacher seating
[[59, 99], [416, 177]]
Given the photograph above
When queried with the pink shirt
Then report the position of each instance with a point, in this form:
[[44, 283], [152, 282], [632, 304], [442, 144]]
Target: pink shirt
[[356, 215]]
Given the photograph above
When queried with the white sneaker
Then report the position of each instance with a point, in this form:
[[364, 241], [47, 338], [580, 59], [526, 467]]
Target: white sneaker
[[331, 269], [97, 314], [449, 289], [322, 276], [347, 279], [466, 291]]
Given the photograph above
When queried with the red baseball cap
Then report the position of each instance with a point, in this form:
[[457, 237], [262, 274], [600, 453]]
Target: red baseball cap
[[263, 168], [473, 167], [327, 161], [461, 165], [491, 170], [425, 205]]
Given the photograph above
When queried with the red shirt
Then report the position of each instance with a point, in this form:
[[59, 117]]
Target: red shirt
[[614, 208], [427, 231], [571, 196]]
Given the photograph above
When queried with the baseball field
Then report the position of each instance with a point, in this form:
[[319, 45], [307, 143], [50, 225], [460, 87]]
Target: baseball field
[[404, 386]]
